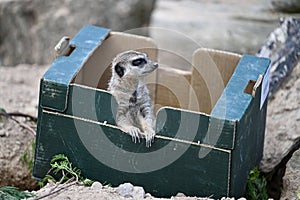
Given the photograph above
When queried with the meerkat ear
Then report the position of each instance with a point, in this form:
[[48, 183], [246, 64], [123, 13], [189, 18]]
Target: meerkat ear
[[119, 70]]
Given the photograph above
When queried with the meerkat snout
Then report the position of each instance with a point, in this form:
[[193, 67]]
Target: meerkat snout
[[135, 112]]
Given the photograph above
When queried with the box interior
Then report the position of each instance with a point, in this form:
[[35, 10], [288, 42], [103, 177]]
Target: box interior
[[197, 89]]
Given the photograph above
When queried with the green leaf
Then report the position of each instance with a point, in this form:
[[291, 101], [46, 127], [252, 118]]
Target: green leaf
[[60, 164], [11, 192], [256, 186], [298, 192], [28, 156], [2, 110], [88, 182]]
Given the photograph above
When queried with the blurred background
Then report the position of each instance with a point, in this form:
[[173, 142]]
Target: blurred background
[[29, 29]]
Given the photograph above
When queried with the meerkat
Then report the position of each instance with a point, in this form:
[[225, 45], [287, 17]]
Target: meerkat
[[127, 85]]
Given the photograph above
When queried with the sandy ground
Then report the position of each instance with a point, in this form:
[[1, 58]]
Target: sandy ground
[[102, 193], [19, 88]]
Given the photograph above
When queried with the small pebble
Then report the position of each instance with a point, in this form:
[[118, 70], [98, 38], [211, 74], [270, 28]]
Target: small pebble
[[125, 190], [179, 194], [96, 186], [2, 133], [138, 193], [147, 195]]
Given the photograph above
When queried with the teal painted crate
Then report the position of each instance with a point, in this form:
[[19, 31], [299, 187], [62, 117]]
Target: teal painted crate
[[210, 133]]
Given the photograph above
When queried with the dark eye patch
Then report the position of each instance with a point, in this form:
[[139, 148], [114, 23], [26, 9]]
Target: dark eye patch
[[139, 62], [119, 70]]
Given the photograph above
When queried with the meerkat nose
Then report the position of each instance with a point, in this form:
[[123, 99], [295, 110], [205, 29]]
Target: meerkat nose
[[155, 64]]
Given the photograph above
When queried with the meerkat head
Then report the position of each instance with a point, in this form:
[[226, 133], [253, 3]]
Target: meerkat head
[[133, 64]]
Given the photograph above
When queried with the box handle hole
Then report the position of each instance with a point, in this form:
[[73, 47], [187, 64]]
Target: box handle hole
[[252, 86], [249, 87], [63, 47]]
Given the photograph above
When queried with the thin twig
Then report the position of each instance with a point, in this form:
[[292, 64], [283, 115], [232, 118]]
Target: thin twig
[[60, 182], [56, 191], [18, 114], [31, 130]]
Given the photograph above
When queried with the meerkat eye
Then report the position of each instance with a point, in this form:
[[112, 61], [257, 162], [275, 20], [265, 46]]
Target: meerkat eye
[[139, 62]]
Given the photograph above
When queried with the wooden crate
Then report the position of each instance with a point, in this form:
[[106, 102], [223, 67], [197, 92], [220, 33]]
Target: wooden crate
[[210, 119]]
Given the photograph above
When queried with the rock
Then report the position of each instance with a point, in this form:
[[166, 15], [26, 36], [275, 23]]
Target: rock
[[30, 29], [96, 186], [148, 196], [282, 137], [283, 48], [126, 190], [2, 133], [138, 193], [291, 179], [289, 6], [283, 107], [180, 195]]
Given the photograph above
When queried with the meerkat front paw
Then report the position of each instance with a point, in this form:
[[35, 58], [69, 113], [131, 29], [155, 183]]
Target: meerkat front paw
[[149, 136], [135, 133]]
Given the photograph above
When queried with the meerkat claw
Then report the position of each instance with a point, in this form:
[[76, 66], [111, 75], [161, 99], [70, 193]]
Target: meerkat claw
[[149, 139], [134, 132], [149, 142]]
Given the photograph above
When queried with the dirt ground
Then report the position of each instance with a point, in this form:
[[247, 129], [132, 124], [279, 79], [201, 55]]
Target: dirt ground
[[104, 193], [19, 93]]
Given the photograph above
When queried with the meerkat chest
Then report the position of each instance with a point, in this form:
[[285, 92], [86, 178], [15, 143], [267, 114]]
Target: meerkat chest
[[135, 99], [138, 97]]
